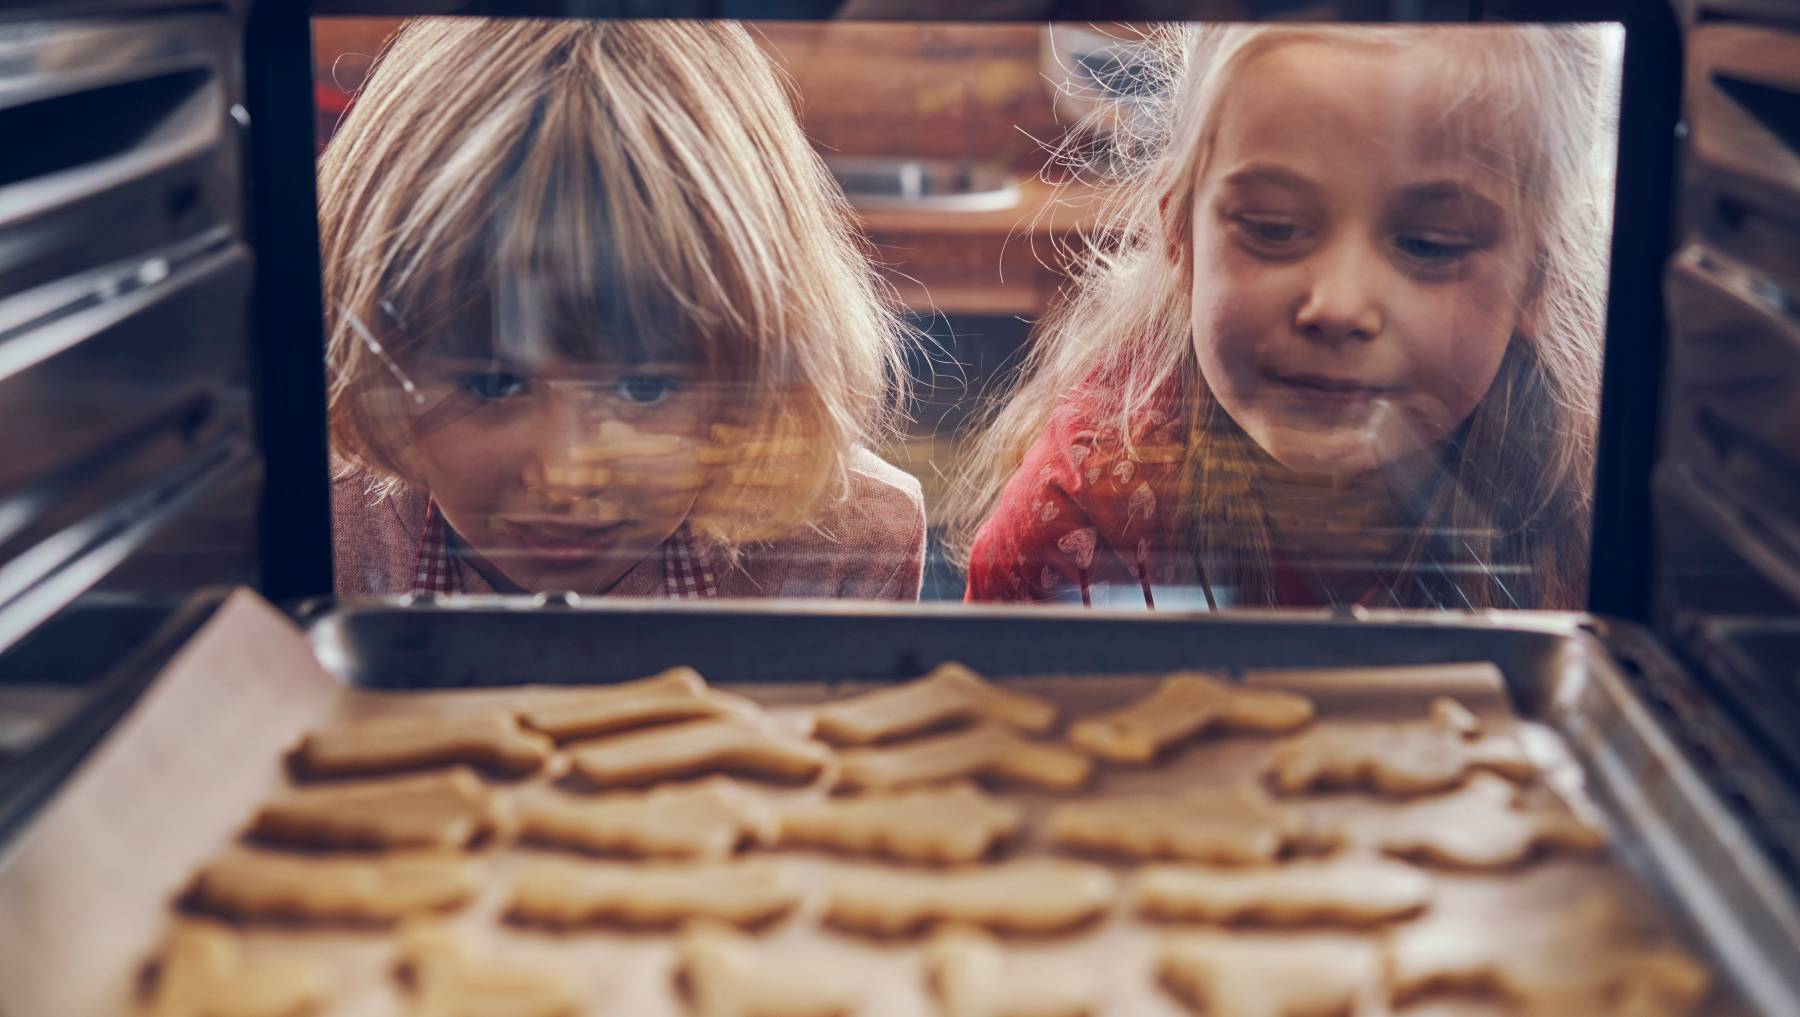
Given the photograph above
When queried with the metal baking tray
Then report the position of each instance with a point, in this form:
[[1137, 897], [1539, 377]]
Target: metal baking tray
[[86, 886], [1568, 672]]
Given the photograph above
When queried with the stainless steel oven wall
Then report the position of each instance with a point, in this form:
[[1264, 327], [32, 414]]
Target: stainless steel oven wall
[[1728, 483], [126, 459], [129, 476]]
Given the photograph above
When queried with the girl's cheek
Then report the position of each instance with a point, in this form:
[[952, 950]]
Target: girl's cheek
[[471, 466], [1237, 300], [1462, 336]]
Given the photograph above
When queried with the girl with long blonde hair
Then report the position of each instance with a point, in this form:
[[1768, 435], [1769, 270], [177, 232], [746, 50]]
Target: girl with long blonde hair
[[599, 322], [1341, 342]]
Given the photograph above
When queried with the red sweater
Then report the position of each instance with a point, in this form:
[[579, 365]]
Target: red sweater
[[1086, 520], [1084, 513]]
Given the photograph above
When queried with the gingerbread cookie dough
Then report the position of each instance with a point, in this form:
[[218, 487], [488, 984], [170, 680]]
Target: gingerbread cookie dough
[[616, 440], [726, 975], [1186, 706], [434, 810], [736, 446], [1586, 960], [564, 894], [676, 694], [265, 885], [734, 744], [1451, 715], [1270, 976], [950, 824], [951, 693], [201, 971], [1036, 895], [1233, 825], [708, 819], [1484, 825], [972, 977], [445, 980], [1345, 891], [1410, 758], [493, 741], [985, 750]]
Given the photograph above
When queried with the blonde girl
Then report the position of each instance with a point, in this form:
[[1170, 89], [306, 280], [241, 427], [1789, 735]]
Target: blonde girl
[[598, 322], [1341, 344]]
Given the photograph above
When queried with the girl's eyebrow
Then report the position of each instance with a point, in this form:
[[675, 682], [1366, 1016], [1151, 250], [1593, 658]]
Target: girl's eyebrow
[[1458, 195], [1270, 174]]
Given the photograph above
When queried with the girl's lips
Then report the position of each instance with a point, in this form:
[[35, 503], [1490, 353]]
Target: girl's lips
[[1327, 390]]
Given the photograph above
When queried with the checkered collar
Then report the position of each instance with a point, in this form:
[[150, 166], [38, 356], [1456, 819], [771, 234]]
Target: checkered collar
[[438, 569]]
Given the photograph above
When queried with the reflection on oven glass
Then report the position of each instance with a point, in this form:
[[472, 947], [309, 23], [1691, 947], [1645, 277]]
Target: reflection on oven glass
[[1130, 316]]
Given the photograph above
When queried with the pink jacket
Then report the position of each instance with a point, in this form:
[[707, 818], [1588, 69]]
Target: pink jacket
[[869, 546]]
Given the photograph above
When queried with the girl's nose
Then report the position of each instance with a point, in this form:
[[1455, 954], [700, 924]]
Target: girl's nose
[[565, 420], [554, 473], [1343, 302]]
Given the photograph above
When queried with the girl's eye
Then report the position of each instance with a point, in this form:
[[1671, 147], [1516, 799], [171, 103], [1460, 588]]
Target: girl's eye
[[492, 385], [1271, 232], [1430, 250], [646, 390], [1274, 232]]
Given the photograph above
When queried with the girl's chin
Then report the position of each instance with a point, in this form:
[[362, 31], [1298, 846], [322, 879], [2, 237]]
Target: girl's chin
[[1312, 463], [1331, 456]]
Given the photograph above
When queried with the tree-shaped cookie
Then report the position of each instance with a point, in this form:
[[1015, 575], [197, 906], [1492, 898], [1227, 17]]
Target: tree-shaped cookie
[[984, 750], [432, 810], [949, 694], [1270, 976], [1342, 891], [565, 894], [676, 694], [1234, 825], [730, 743], [706, 819], [1586, 959], [386, 888], [201, 971], [492, 740], [446, 981], [1035, 895], [957, 823], [726, 975], [972, 977], [1408, 758], [1185, 706], [1486, 824]]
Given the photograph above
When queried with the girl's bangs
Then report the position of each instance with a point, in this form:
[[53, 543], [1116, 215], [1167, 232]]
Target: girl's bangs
[[501, 302], [546, 270]]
